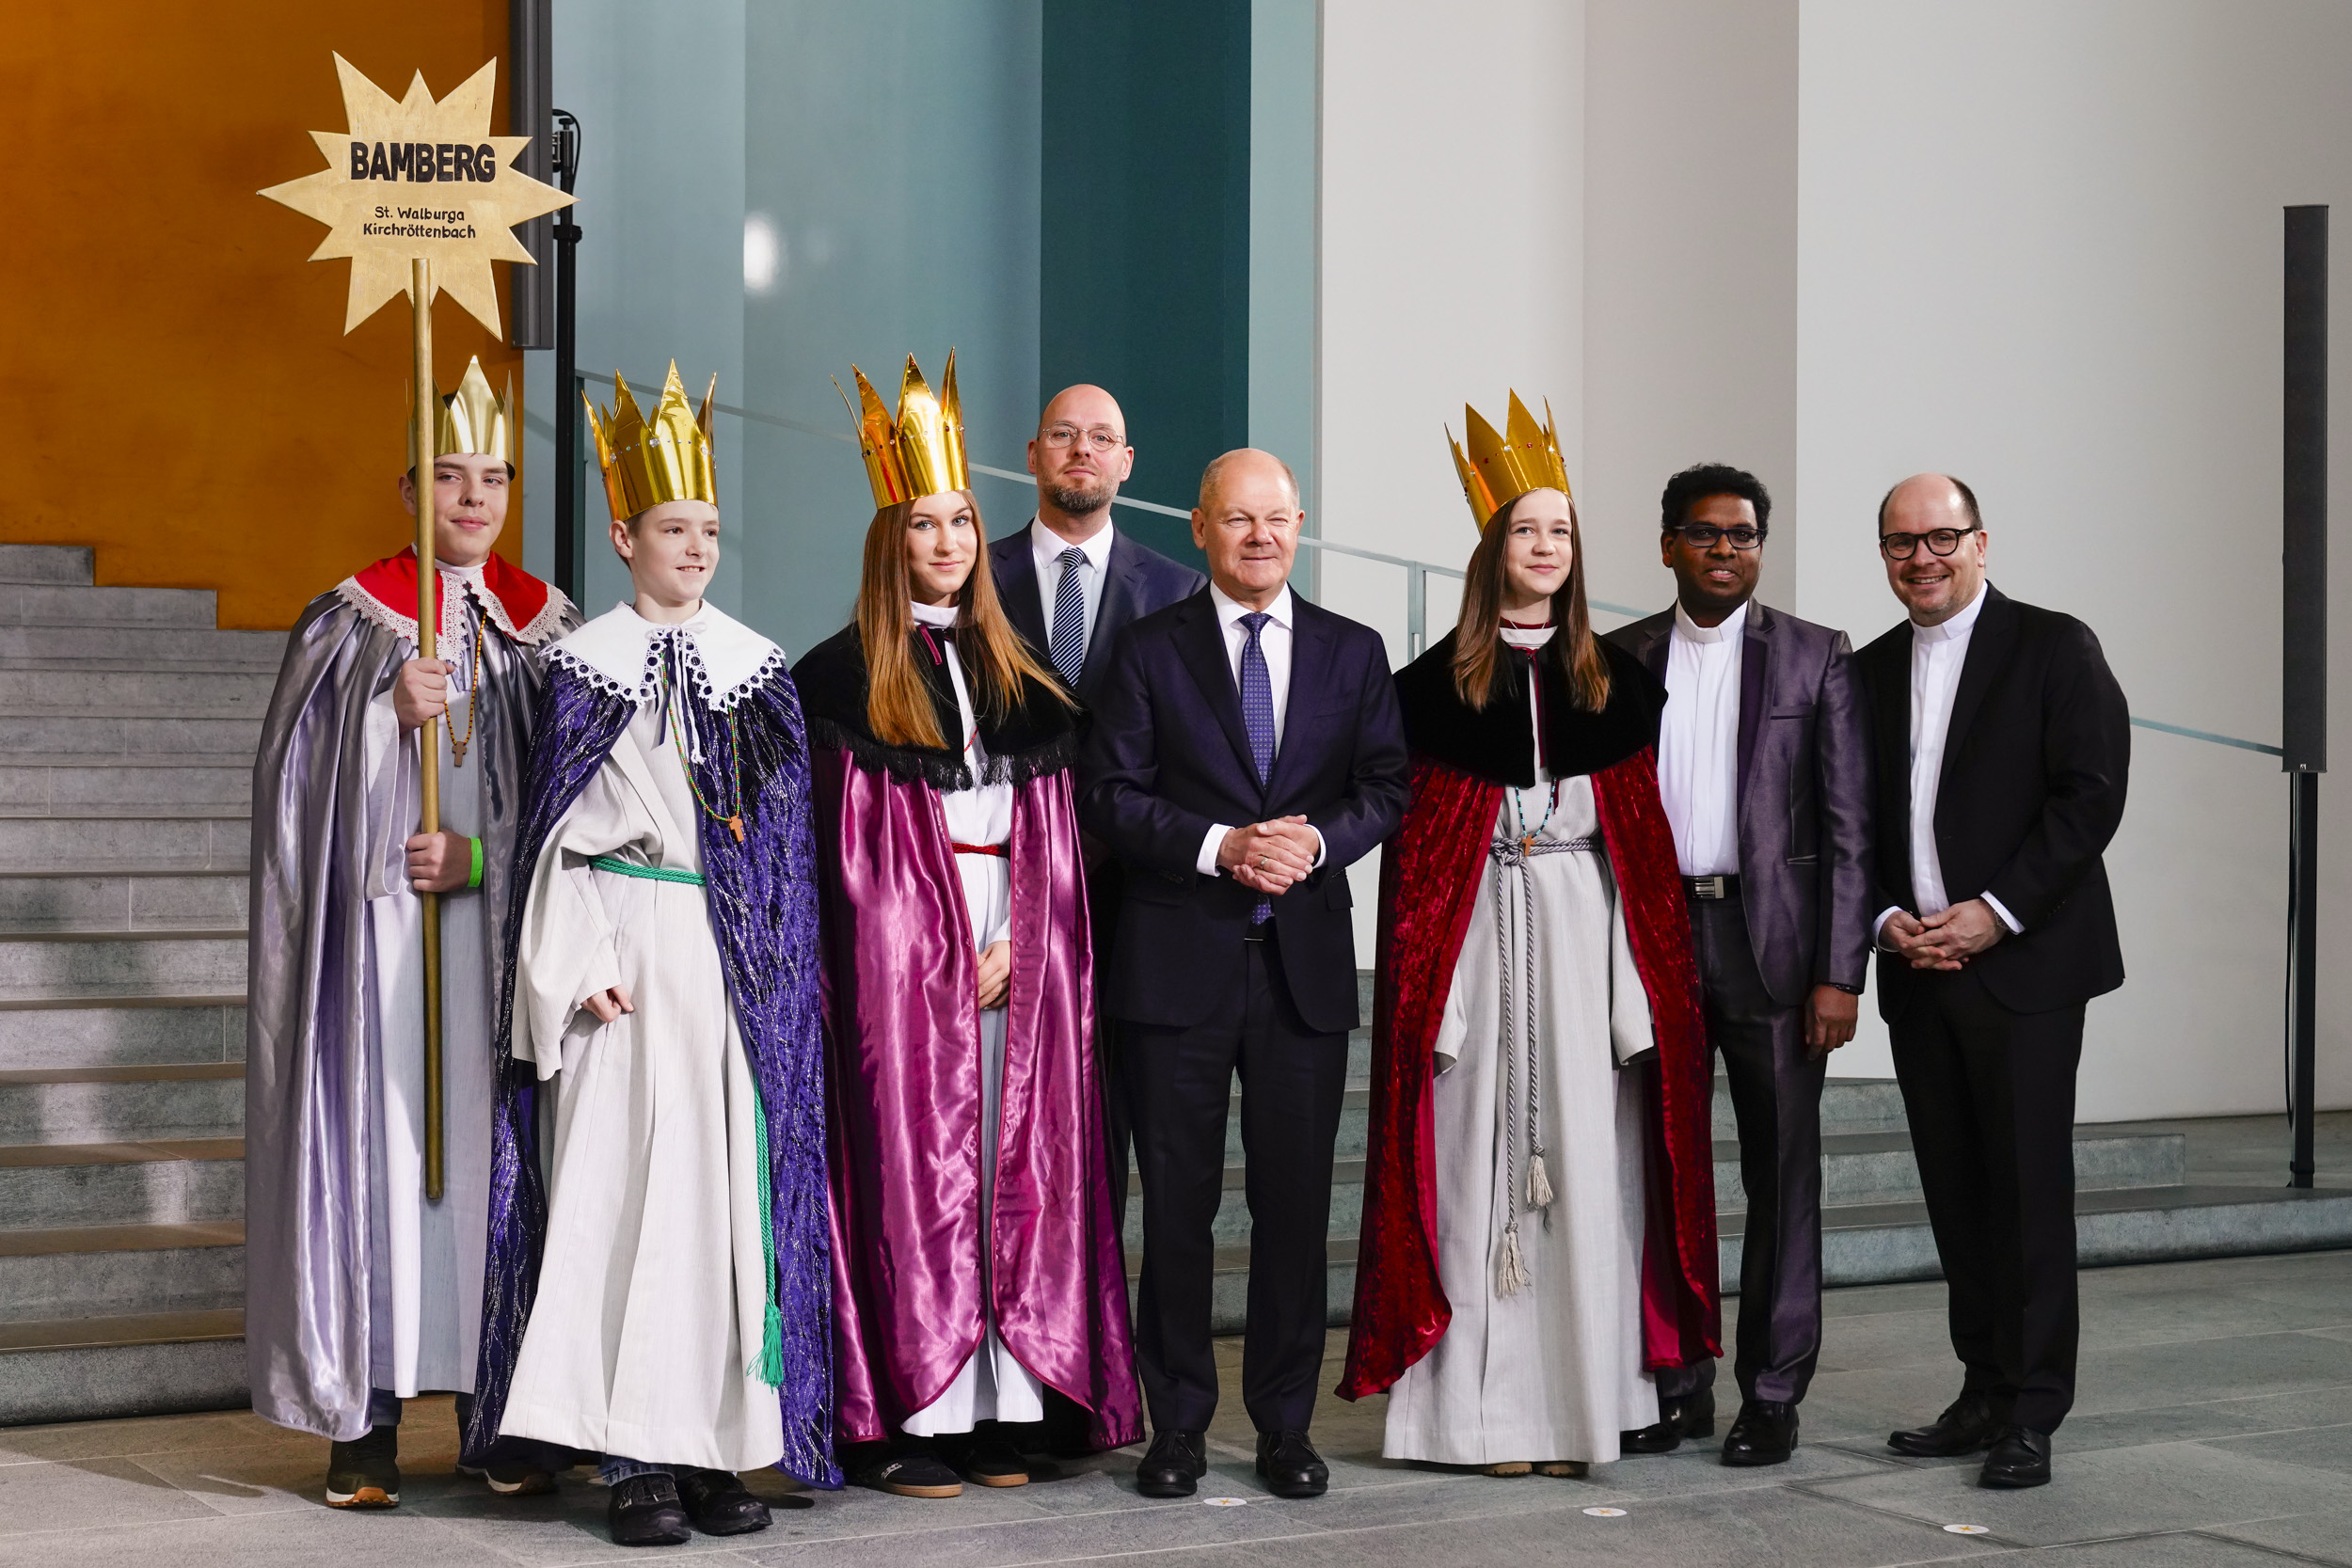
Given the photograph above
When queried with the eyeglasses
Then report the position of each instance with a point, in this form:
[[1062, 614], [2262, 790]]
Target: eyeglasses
[[1098, 440], [1704, 535], [1941, 541]]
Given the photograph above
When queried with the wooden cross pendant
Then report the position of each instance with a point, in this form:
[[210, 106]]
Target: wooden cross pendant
[[735, 825], [457, 751]]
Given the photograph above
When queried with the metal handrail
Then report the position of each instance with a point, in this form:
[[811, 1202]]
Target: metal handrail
[[1417, 573]]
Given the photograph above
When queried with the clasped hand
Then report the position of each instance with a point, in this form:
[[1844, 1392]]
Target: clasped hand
[[1268, 857], [1946, 939]]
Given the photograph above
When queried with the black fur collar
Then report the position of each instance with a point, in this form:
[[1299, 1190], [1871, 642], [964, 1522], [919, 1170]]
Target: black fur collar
[[1039, 736], [1499, 744]]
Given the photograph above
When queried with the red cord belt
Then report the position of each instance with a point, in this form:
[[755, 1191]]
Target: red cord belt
[[1002, 851]]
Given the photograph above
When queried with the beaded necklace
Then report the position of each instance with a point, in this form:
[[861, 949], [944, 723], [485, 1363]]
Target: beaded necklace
[[458, 743], [732, 815]]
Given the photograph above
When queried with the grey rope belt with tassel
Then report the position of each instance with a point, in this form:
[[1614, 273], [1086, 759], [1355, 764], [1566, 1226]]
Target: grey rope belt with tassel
[[1514, 854]]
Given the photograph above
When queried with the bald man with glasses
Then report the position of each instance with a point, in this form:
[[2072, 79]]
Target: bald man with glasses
[[2003, 745], [1069, 583]]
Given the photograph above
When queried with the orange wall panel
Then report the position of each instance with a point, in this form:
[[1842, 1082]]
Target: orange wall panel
[[177, 385]]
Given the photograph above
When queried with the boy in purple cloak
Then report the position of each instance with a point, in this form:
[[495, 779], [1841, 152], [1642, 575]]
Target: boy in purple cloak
[[665, 1299]]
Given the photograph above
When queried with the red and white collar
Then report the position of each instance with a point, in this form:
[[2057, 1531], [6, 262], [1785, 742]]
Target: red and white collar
[[526, 609]]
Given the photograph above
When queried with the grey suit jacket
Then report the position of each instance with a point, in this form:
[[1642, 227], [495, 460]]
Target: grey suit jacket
[[1805, 810]]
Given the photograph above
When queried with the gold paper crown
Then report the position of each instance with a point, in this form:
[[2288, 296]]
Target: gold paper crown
[[1498, 471], [921, 453], [646, 462], [472, 419]]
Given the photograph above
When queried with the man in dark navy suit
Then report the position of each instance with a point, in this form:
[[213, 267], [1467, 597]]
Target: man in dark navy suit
[[1247, 749], [1071, 582]]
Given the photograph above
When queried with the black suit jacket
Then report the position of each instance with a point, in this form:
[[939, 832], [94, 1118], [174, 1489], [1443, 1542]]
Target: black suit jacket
[[1168, 757], [1805, 805], [2032, 790], [1137, 580]]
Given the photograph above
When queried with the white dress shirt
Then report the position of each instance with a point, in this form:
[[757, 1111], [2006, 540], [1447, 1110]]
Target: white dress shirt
[[1274, 641], [1937, 654], [1698, 743], [1046, 546]]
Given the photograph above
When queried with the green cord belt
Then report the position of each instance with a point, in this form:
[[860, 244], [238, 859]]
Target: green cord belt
[[650, 873]]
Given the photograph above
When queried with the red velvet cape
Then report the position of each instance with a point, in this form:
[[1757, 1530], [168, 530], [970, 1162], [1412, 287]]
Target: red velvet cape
[[1429, 880]]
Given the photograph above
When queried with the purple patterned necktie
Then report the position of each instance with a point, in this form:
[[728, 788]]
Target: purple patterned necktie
[[1068, 644], [1257, 717]]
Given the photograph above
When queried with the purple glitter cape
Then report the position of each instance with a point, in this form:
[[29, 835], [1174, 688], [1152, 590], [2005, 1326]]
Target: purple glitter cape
[[763, 904]]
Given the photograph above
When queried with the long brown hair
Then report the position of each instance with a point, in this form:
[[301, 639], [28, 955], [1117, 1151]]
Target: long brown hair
[[995, 659], [1477, 641]]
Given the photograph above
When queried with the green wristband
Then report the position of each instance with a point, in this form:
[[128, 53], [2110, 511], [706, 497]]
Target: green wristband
[[474, 878]]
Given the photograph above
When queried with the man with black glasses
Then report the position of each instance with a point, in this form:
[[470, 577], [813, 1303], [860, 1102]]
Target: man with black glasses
[[2002, 747], [1763, 764], [1069, 583]]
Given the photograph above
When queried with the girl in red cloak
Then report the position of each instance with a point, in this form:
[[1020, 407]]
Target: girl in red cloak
[[1539, 1218]]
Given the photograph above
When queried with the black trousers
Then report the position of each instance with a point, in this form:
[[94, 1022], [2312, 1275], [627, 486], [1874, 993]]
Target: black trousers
[[1179, 1085], [1776, 1097], [1991, 1098]]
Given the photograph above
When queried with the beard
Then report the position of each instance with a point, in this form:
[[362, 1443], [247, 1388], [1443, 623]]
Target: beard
[[1078, 500]]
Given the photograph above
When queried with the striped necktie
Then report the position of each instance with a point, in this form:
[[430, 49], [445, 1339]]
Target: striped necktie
[[1070, 618]]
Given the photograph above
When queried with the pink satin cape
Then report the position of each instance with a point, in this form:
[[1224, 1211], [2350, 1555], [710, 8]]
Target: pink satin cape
[[903, 1027]]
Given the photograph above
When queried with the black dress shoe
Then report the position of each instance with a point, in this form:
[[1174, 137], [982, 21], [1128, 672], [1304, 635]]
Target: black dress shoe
[[1693, 1415], [2020, 1457], [1765, 1433], [1291, 1466], [1966, 1427], [365, 1472], [644, 1510], [1177, 1460], [719, 1503]]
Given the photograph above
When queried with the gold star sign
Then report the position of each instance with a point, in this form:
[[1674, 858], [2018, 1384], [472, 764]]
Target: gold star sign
[[413, 178]]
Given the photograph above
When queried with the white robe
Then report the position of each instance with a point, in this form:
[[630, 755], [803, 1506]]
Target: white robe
[[424, 1315], [645, 1336], [1551, 1371], [991, 1385]]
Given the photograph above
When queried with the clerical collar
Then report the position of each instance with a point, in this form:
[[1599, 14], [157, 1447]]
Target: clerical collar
[[935, 614], [1723, 631], [620, 652], [1959, 623]]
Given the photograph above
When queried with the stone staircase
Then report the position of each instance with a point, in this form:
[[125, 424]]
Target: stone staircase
[[127, 728]]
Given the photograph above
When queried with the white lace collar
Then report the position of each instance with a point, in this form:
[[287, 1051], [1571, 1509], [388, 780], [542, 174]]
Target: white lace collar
[[620, 652]]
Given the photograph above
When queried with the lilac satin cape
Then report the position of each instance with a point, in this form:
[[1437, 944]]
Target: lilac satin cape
[[311, 1049], [904, 1029], [763, 906]]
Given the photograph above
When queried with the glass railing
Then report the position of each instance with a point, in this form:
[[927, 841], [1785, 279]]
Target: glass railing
[[1417, 574]]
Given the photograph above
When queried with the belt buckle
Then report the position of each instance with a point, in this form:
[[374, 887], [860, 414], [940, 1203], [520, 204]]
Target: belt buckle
[[1708, 887]]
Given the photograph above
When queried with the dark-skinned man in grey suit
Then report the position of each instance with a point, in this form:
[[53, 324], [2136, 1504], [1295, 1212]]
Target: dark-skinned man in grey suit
[[1764, 767]]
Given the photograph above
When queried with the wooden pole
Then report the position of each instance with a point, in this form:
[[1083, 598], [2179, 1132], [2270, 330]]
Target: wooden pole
[[428, 738]]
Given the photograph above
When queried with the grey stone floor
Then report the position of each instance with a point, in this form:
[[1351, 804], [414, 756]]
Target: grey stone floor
[[2215, 1427]]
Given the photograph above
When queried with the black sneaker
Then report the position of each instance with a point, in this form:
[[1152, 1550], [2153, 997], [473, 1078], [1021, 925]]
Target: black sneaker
[[365, 1472], [720, 1504], [912, 1469], [987, 1458], [644, 1510]]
